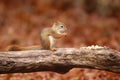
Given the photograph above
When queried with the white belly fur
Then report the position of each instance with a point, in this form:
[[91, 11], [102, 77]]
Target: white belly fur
[[52, 41]]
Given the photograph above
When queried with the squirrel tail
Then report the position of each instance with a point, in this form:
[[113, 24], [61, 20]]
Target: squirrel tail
[[18, 48]]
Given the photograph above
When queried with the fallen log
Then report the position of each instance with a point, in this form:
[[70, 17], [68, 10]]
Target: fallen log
[[61, 61]]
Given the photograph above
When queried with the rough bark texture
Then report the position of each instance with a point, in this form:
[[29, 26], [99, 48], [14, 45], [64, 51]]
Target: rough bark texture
[[60, 61]]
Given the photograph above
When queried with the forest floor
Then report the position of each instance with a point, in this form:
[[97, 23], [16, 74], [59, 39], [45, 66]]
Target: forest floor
[[22, 25]]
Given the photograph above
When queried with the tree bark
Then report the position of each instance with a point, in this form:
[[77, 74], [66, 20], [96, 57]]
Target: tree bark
[[61, 61]]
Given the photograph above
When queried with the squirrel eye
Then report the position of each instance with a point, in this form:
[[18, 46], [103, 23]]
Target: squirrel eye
[[61, 26]]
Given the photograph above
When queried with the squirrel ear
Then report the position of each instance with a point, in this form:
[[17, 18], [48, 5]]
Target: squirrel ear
[[55, 23], [58, 21]]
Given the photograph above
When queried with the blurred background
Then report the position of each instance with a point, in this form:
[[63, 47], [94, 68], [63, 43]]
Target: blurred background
[[89, 22]]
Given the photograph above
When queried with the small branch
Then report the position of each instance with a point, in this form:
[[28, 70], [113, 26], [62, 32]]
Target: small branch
[[60, 61]]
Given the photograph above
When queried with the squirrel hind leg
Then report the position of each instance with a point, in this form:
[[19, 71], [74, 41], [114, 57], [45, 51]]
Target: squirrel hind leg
[[45, 46]]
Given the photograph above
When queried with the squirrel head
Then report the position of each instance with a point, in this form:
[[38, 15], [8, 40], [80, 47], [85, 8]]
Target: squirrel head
[[59, 28]]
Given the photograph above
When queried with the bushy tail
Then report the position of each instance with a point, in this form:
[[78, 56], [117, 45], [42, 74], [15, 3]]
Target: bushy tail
[[18, 48]]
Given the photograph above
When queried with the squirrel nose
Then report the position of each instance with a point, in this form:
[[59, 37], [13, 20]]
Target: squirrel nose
[[65, 34]]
